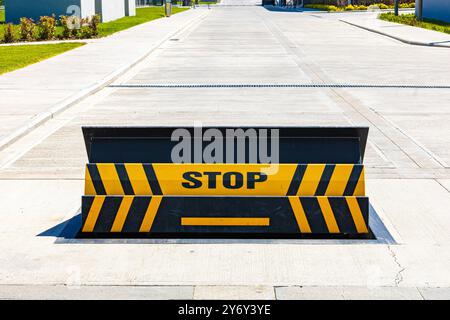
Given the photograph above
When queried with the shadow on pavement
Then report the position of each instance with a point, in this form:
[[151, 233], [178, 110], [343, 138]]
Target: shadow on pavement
[[69, 232]]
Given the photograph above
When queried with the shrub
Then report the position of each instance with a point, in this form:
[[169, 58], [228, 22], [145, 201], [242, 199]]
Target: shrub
[[407, 5], [27, 29], [85, 32], [355, 3], [349, 8], [9, 34], [47, 28], [323, 7], [67, 27], [93, 24]]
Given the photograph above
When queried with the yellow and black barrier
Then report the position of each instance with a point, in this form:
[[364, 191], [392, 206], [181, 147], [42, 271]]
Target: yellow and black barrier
[[316, 186], [224, 179], [278, 215]]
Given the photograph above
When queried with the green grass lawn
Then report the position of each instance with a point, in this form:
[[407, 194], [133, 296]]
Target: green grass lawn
[[16, 57], [410, 19], [142, 15], [105, 29]]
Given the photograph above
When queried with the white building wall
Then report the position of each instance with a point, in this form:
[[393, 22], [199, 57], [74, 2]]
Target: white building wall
[[112, 9], [130, 7], [87, 8]]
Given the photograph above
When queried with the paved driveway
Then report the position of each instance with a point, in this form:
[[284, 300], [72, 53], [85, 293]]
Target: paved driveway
[[407, 162]]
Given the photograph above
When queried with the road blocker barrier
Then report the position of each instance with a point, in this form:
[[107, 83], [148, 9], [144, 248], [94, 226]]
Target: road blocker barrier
[[316, 185]]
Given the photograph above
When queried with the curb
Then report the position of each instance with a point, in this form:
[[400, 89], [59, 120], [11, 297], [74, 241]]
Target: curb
[[42, 117], [37, 43], [414, 43]]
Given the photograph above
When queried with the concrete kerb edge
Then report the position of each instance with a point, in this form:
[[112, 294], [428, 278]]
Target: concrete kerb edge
[[42, 117], [414, 43], [37, 43]]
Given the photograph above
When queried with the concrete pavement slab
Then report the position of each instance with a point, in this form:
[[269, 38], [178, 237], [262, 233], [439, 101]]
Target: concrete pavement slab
[[75, 292], [117, 52], [435, 293], [417, 209], [347, 293]]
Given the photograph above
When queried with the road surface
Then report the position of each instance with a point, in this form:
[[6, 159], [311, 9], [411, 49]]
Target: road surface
[[400, 91]]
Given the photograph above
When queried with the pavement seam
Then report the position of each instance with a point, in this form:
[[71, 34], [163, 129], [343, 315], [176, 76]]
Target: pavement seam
[[420, 293], [275, 85], [443, 186]]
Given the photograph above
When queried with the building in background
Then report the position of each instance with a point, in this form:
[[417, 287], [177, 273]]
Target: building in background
[[108, 9], [435, 9], [143, 3]]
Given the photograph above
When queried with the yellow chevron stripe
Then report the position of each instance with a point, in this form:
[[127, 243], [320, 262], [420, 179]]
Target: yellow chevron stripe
[[328, 215], [138, 179], [122, 213], [300, 215], [89, 188], [110, 178], [360, 189], [339, 179], [311, 180], [93, 214], [356, 213], [199, 221], [150, 215]]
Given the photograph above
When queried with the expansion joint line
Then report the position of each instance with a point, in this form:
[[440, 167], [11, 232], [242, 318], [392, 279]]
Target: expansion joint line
[[278, 85]]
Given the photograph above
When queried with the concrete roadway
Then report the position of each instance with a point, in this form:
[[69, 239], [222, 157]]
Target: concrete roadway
[[407, 166]]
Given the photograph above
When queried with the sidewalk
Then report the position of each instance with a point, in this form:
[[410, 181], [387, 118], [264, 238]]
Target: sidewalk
[[30, 96], [196, 292], [403, 33]]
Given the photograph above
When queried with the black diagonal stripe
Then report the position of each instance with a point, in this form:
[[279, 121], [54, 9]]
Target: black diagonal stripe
[[96, 179], [296, 180], [107, 214], [153, 181], [86, 204], [314, 215], [124, 179], [136, 214], [325, 180], [342, 214], [364, 207], [353, 180]]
